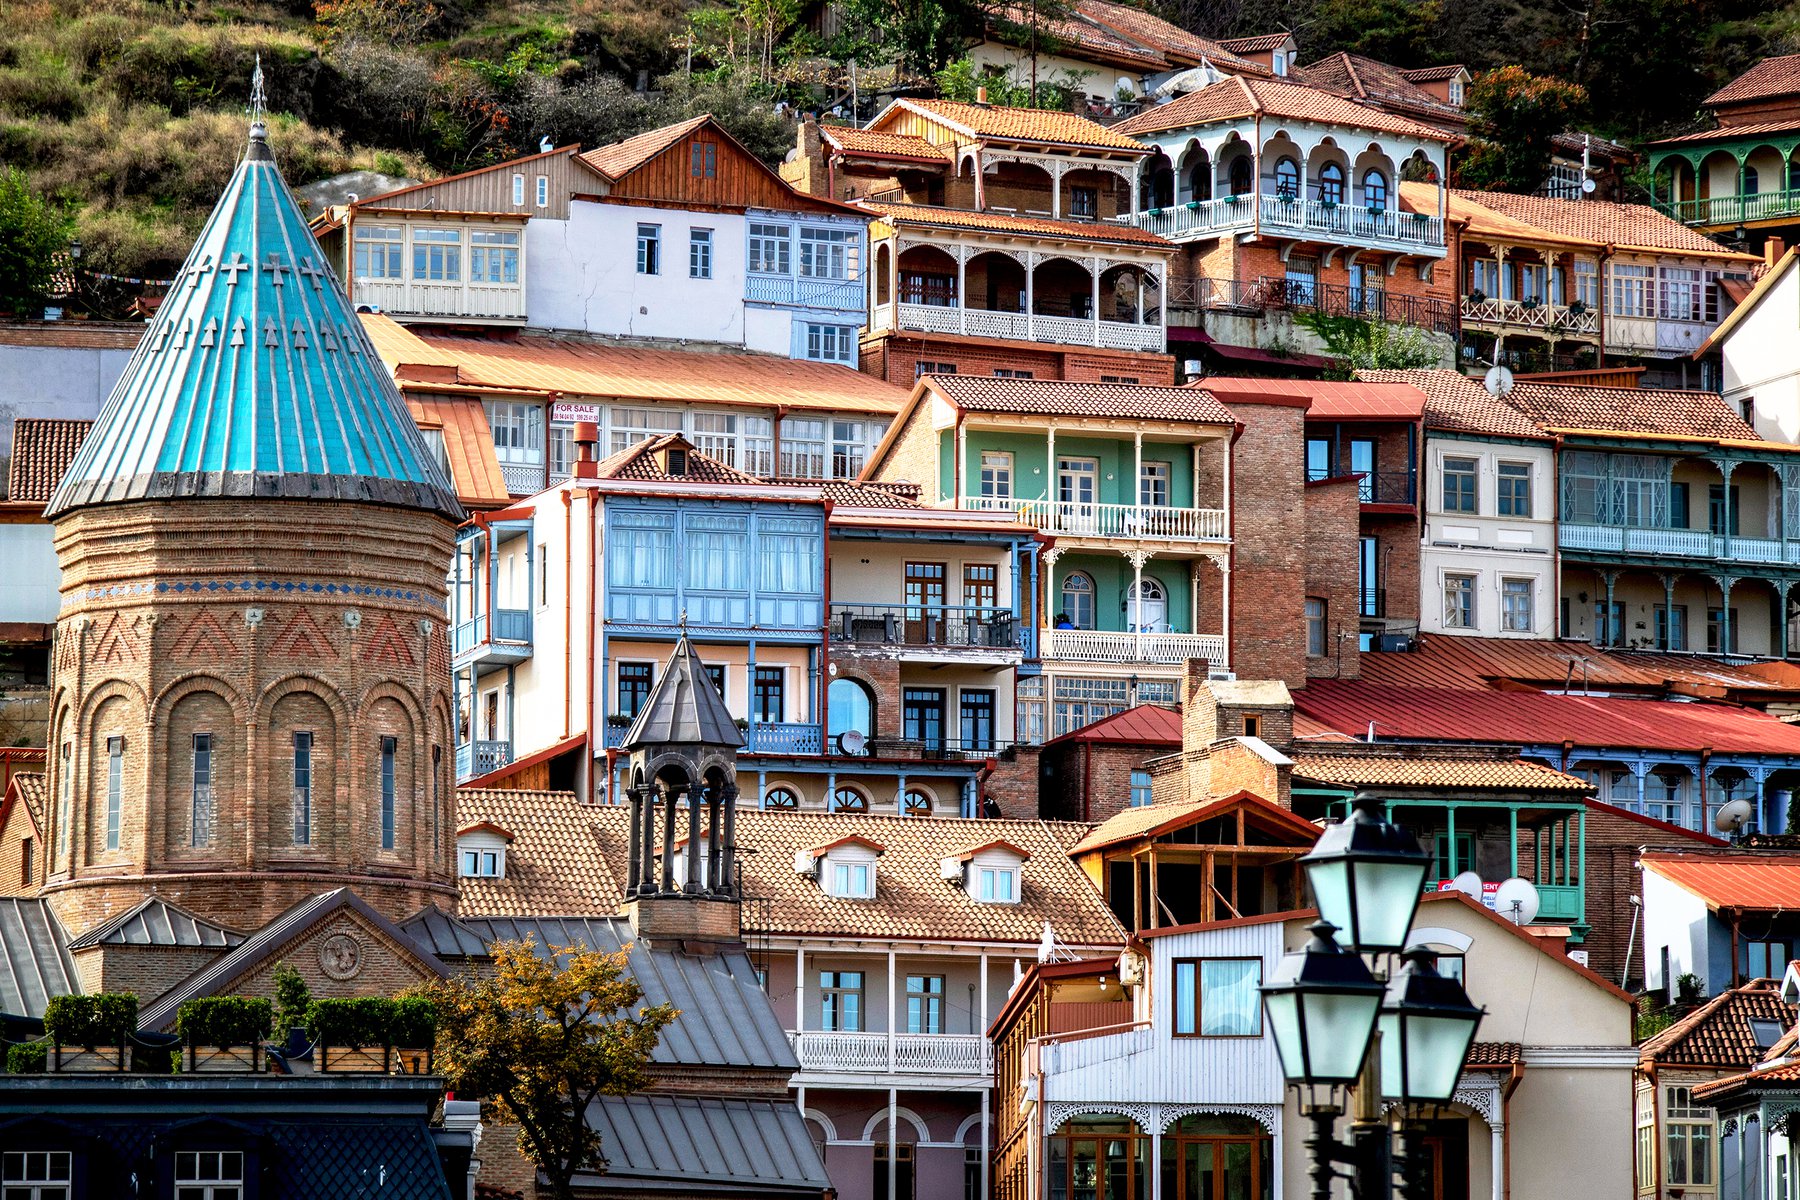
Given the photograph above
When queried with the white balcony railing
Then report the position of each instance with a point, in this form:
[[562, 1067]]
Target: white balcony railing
[[1678, 543], [524, 479], [476, 301], [1110, 520], [911, 1053], [1316, 220], [1094, 645], [1018, 326], [1551, 318]]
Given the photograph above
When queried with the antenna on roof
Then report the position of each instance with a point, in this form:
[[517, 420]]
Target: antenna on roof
[[259, 98]]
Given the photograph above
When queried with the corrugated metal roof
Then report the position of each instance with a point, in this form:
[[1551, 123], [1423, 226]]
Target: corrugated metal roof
[[725, 1020], [1332, 400], [1535, 718], [443, 935], [699, 1145], [227, 969], [256, 379], [1732, 880], [1147, 724], [156, 922], [1458, 661], [34, 957]]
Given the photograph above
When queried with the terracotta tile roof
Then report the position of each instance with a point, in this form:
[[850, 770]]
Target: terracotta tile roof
[[1375, 82], [1482, 772], [1145, 725], [1454, 403], [1172, 40], [1238, 97], [1574, 141], [1745, 881], [579, 853], [555, 863], [1024, 125], [1768, 79], [1533, 718], [641, 462], [1332, 400], [1151, 820], [1731, 132], [1432, 74], [581, 368], [1056, 397], [1717, 1034], [1781, 1076], [993, 222], [468, 445], [1601, 222], [621, 158], [1259, 44], [1629, 410], [1087, 39], [73, 335], [42, 449], [879, 144], [33, 788], [874, 494], [1495, 1054]]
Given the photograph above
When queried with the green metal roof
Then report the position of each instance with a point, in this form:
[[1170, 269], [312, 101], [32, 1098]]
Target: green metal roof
[[256, 378]]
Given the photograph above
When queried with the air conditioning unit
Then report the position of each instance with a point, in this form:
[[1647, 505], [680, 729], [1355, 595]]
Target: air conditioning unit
[[951, 870], [1395, 643], [806, 864]]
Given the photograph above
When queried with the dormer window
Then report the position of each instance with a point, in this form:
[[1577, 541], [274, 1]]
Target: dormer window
[[845, 868], [1279, 62], [481, 851], [853, 880], [990, 873], [999, 885], [1456, 92]]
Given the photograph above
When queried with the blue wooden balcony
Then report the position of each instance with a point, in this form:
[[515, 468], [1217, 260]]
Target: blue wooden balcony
[[479, 758], [765, 738], [504, 640]]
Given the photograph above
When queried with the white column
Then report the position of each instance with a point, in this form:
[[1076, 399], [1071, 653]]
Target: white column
[[799, 990], [893, 1141], [984, 1142], [1094, 267], [1137, 181], [1050, 466], [1162, 304], [962, 286], [893, 1018], [894, 283], [1031, 293], [1056, 176], [961, 472], [1498, 1131], [1156, 1190], [1137, 456]]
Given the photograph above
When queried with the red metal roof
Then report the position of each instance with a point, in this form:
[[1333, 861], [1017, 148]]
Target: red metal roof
[[1479, 662], [1332, 400], [1536, 718], [1732, 880], [1147, 724]]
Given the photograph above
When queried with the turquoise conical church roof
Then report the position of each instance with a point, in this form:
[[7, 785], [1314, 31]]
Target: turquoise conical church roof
[[256, 378]]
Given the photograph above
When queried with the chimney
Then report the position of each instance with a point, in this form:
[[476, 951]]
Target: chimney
[[981, 95], [587, 435], [1772, 250], [810, 146]]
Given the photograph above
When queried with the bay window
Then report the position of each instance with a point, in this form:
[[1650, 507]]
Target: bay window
[[493, 256], [828, 253], [437, 255], [378, 251]]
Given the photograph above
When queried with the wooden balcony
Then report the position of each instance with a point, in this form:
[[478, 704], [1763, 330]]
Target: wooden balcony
[[957, 1054], [1147, 521], [1558, 320], [481, 642], [1020, 326], [1736, 208], [446, 301], [1313, 220]]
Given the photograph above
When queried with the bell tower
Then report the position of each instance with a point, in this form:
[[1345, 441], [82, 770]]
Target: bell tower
[[683, 748], [251, 685]]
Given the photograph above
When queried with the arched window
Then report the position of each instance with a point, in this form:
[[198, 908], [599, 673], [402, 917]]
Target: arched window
[[780, 797], [849, 800], [1200, 178], [1750, 181], [1375, 189], [1101, 1158], [1287, 178], [1206, 1156], [1240, 176], [1331, 183], [850, 708], [1148, 611], [915, 803], [1078, 600]]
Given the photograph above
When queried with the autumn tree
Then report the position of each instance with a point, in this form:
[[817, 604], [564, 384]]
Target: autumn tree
[[541, 1038], [1513, 117]]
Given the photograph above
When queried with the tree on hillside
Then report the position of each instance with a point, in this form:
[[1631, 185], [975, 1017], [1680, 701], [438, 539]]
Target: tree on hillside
[[33, 231], [1513, 115], [542, 1039]]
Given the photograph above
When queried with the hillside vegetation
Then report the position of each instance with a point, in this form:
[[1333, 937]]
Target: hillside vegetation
[[131, 113]]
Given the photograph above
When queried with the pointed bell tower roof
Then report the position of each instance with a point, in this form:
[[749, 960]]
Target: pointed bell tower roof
[[684, 708], [256, 378]]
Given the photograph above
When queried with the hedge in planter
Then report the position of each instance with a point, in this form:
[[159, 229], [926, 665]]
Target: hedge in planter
[[412, 1033], [27, 1058], [351, 1035], [97, 1024], [224, 1033]]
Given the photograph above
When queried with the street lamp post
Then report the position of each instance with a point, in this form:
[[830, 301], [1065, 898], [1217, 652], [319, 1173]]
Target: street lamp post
[[1346, 1033]]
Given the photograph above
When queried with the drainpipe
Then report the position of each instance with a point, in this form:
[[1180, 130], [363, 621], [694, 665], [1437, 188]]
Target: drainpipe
[[824, 687], [587, 434], [568, 608], [1600, 307], [1506, 1092], [1237, 431]]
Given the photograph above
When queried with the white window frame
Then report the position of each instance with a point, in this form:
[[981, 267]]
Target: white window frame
[[1515, 618], [997, 885], [477, 862], [831, 343], [209, 1175], [391, 239], [490, 249], [700, 253], [851, 879], [649, 248], [997, 474], [518, 191], [1465, 615], [771, 248], [543, 191], [38, 1174]]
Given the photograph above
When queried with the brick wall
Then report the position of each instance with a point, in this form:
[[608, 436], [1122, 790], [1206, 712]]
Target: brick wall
[[1013, 783], [1268, 569], [913, 455], [15, 830], [1091, 781], [147, 971], [895, 358], [1331, 575], [1235, 768]]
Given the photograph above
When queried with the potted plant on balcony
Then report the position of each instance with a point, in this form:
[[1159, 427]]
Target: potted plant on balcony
[[88, 1033], [412, 1032], [223, 1033], [27, 1058], [1577, 308], [350, 1035], [618, 720], [1529, 304], [1328, 204], [1477, 296]]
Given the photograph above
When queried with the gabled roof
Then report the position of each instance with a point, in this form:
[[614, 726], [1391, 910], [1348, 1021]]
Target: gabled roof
[[997, 222], [1346, 766], [1180, 46], [643, 461], [1262, 43], [1374, 82], [1767, 80], [1597, 222], [1454, 403], [156, 922], [852, 839], [998, 122], [1145, 725], [621, 158], [1718, 1034], [1064, 398], [32, 790], [1240, 97], [1433, 74], [42, 450], [1018, 852], [1769, 881], [34, 957], [1747, 304], [1153, 820], [874, 143], [684, 708], [1076, 34], [254, 951], [256, 379], [1659, 411]]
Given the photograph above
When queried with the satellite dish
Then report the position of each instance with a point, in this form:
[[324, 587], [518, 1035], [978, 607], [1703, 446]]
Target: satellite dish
[[1499, 382], [851, 741], [1517, 901], [1468, 883], [1731, 817], [1587, 187]]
